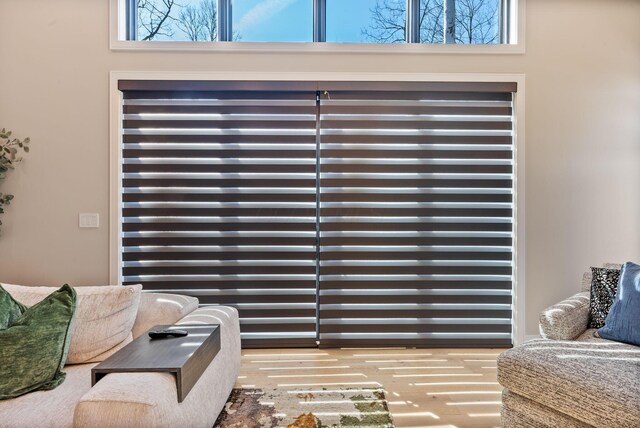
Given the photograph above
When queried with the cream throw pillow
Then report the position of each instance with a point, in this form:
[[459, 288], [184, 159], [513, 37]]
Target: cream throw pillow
[[103, 322]]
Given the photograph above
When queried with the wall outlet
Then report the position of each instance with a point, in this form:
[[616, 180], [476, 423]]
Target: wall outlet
[[89, 220]]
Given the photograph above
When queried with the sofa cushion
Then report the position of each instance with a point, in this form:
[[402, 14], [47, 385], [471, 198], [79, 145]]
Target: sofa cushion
[[34, 346], [623, 321], [604, 284], [586, 277], [48, 409], [520, 412], [106, 354], [592, 380], [104, 317], [160, 308]]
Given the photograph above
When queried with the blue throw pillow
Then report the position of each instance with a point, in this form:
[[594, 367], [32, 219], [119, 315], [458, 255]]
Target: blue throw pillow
[[623, 322]]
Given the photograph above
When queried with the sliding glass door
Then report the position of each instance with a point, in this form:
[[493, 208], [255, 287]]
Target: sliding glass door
[[331, 214]]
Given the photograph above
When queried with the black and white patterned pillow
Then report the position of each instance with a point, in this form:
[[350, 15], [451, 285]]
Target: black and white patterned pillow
[[604, 285]]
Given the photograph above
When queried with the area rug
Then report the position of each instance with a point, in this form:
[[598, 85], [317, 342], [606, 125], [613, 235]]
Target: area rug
[[314, 408]]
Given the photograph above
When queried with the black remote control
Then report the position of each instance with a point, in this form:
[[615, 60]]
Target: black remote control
[[161, 334]]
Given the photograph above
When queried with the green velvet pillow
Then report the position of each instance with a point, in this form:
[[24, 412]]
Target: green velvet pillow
[[10, 309], [35, 342]]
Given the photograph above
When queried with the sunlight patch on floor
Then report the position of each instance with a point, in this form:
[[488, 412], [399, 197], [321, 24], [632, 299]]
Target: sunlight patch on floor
[[435, 388]]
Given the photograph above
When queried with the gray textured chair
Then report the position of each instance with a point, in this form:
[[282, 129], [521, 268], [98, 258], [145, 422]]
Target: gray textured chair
[[570, 378]]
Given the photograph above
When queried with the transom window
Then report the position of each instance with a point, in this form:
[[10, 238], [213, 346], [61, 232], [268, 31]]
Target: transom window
[[483, 22]]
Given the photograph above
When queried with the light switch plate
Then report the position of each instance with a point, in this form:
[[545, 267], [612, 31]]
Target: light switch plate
[[89, 220]]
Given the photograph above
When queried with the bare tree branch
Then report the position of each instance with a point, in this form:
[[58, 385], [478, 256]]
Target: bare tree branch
[[189, 23], [475, 21], [388, 22], [431, 21], [208, 15], [199, 21], [153, 18]]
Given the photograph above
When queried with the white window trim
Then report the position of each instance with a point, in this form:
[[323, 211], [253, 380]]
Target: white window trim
[[115, 158], [117, 41]]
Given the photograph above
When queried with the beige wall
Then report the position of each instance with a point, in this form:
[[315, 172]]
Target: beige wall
[[582, 139]]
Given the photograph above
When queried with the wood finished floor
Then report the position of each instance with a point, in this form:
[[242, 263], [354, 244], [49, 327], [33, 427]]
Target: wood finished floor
[[424, 387]]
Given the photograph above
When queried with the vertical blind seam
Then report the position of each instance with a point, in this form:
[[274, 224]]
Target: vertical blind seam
[[318, 192]]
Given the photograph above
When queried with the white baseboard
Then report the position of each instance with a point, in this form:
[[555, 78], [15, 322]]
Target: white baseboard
[[529, 337]]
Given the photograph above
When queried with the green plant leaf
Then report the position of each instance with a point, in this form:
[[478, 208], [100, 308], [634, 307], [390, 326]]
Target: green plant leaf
[[9, 149]]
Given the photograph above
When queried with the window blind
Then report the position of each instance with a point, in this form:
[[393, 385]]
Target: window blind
[[219, 200], [339, 214], [416, 215]]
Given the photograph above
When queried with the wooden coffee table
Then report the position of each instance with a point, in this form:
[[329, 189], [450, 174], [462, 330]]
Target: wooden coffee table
[[186, 357]]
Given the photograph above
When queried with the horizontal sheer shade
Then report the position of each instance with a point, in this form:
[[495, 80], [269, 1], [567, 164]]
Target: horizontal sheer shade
[[416, 229], [219, 202], [338, 214]]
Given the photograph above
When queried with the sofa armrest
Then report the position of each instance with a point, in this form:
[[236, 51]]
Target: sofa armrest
[[160, 308], [229, 320], [146, 399], [566, 320]]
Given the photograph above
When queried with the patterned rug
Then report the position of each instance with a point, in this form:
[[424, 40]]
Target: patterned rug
[[321, 408]]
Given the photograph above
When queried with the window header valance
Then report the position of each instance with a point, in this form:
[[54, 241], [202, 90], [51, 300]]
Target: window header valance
[[301, 86]]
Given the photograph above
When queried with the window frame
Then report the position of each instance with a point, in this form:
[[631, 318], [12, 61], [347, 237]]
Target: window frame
[[513, 30], [115, 155], [305, 99]]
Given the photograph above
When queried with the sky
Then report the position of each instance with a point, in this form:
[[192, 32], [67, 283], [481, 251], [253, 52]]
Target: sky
[[292, 20]]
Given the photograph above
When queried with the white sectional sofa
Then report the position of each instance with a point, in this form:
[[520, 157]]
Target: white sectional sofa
[[139, 399]]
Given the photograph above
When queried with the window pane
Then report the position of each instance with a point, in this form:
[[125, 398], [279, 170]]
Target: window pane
[[477, 21], [192, 20], [272, 20], [373, 21], [431, 21]]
